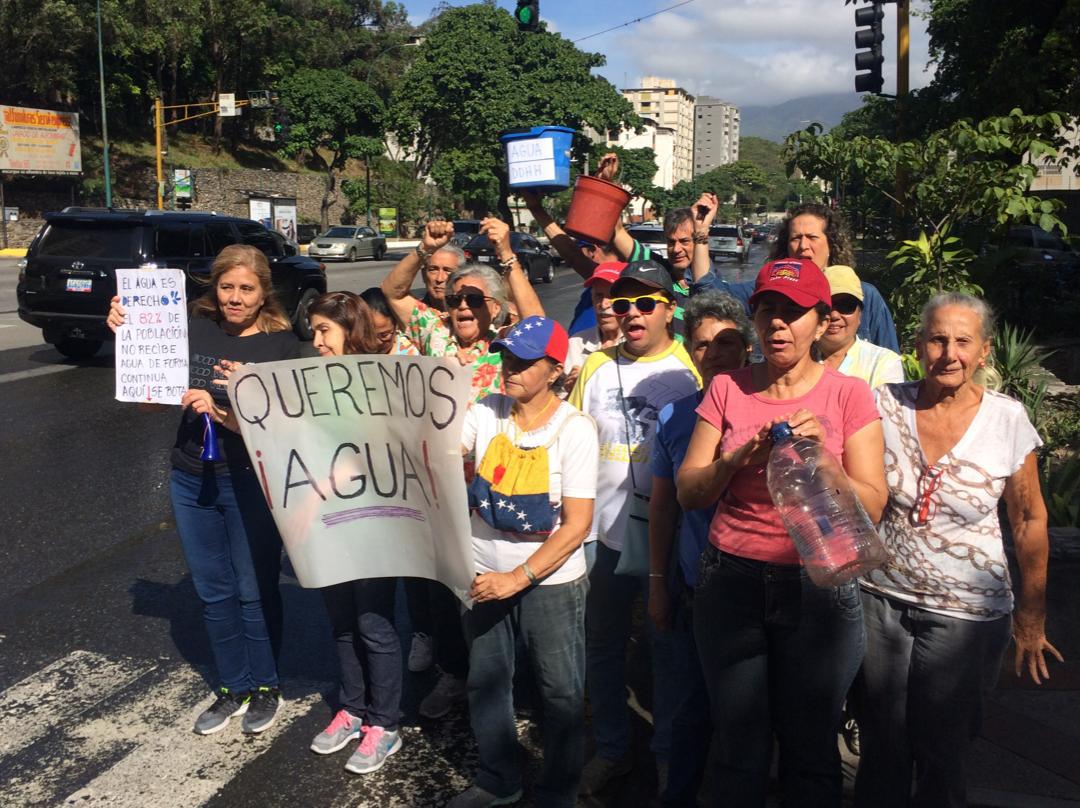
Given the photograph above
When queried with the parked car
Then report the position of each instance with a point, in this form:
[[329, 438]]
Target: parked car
[[759, 232], [68, 276], [464, 231], [651, 236], [728, 240], [1033, 245], [534, 258], [347, 243]]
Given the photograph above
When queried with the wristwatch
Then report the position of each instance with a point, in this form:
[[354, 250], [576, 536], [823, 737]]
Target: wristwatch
[[422, 254]]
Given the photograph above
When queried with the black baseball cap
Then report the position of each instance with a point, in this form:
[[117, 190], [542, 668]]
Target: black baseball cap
[[649, 273]]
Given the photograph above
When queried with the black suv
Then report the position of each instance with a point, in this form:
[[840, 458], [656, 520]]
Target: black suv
[[68, 276]]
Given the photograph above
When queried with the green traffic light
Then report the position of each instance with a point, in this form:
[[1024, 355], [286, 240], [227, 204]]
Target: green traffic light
[[524, 15]]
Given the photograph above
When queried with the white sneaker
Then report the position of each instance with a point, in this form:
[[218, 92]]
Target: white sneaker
[[447, 691], [421, 652]]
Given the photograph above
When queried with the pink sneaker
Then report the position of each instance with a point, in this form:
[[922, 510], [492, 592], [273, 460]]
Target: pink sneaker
[[371, 754], [338, 733]]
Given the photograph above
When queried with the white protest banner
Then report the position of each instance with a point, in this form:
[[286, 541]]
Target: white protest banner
[[359, 458], [152, 344]]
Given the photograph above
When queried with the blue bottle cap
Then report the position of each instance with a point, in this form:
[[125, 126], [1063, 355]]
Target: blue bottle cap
[[781, 432]]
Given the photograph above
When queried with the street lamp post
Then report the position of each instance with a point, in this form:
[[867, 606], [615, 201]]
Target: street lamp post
[[104, 115]]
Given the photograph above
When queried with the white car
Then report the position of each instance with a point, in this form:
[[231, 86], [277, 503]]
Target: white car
[[651, 236]]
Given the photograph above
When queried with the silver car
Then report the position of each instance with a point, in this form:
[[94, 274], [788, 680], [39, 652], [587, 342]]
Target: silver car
[[728, 240], [347, 243]]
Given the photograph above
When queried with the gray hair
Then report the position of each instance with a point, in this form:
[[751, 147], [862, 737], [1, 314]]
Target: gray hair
[[982, 309], [492, 280], [720, 306], [454, 250]]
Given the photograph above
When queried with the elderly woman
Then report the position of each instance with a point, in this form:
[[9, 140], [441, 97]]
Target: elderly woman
[[531, 583], [230, 542], [938, 614], [778, 653], [841, 347], [476, 304]]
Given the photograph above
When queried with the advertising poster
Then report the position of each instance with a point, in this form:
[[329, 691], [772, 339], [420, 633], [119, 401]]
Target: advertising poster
[[388, 221], [39, 141], [261, 211], [285, 220]]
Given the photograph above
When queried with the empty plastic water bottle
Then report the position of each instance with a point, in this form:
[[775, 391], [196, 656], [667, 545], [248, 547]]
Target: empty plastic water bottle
[[835, 538]]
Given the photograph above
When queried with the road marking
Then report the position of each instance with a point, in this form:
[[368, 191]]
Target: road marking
[[59, 693], [18, 375]]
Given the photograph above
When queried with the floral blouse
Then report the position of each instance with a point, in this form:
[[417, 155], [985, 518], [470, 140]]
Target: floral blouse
[[428, 329]]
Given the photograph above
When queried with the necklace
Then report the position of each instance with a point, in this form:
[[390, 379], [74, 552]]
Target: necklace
[[529, 426]]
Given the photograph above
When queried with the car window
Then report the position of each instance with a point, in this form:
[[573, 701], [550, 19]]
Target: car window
[[722, 231], [481, 242], [259, 237], [219, 235], [1048, 241], [340, 232], [89, 239], [179, 240], [367, 232], [649, 235], [1018, 237], [466, 226]]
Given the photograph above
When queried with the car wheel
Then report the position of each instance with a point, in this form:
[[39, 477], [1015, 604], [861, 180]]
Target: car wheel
[[352, 254], [549, 276], [301, 324], [77, 348]]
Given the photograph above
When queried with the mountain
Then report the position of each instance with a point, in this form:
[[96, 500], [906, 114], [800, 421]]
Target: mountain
[[776, 122]]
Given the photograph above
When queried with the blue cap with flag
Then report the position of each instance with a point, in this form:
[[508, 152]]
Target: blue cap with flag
[[533, 338]]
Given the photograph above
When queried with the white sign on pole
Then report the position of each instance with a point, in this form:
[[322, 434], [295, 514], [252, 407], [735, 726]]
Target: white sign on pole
[[227, 105], [359, 458], [152, 344], [531, 160]]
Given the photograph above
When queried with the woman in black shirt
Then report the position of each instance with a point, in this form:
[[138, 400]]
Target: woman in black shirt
[[230, 542]]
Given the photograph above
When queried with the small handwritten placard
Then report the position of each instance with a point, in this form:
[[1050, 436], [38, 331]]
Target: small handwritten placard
[[152, 344]]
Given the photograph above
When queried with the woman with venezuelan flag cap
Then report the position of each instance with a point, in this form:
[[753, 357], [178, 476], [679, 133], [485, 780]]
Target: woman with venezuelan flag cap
[[532, 504]]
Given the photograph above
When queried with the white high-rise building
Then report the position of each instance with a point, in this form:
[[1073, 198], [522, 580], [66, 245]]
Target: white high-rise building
[[716, 134], [669, 107]]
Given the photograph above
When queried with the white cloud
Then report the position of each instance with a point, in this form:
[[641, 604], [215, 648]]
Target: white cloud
[[754, 51]]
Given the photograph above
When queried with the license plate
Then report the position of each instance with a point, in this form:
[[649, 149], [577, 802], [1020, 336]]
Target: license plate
[[80, 285], [486, 259]]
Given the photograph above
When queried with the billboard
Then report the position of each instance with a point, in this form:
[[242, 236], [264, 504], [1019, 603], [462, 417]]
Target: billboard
[[388, 221], [39, 141]]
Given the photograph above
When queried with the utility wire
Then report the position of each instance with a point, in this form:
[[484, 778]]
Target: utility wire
[[631, 22]]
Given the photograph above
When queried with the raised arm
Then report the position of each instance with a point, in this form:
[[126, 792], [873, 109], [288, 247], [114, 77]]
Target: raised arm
[[397, 285], [704, 211], [563, 244], [521, 290]]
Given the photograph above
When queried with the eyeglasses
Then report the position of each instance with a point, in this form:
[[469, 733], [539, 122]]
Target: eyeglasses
[[645, 304], [474, 300], [925, 506], [845, 304]]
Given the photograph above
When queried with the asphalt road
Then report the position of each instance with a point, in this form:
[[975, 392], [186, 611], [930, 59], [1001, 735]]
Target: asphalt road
[[103, 658]]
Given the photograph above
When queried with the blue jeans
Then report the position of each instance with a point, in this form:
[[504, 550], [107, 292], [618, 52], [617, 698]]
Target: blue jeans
[[550, 620], [920, 701], [778, 654], [608, 617], [369, 651], [233, 550]]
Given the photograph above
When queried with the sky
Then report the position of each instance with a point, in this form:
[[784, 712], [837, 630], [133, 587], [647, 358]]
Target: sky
[[746, 52]]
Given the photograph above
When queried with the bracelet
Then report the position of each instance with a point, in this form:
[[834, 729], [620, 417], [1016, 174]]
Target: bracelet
[[422, 254], [657, 575], [528, 572], [701, 238], [508, 264]]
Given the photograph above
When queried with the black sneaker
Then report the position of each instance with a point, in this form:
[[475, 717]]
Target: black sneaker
[[216, 716], [263, 710]]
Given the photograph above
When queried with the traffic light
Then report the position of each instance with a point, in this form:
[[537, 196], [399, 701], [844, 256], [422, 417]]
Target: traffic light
[[868, 35], [527, 15], [282, 125]]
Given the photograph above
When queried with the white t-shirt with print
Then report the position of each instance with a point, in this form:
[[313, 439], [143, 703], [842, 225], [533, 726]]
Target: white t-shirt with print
[[624, 396], [572, 461], [955, 563]]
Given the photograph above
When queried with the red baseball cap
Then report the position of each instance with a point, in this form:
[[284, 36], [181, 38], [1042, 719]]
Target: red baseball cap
[[608, 271], [797, 279]]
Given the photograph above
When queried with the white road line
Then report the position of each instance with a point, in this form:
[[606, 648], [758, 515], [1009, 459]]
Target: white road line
[[170, 764], [29, 374], [59, 693]]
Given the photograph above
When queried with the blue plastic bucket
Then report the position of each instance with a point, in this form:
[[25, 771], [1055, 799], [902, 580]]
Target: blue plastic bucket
[[538, 158]]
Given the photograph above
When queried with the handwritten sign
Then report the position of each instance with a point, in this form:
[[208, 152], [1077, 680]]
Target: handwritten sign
[[359, 458], [152, 344], [531, 160]]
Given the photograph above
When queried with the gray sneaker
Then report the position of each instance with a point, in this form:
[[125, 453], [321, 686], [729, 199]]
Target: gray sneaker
[[477, 797], [378, 744], [599, 771], [216, 716], [262, 712], [448, 690], [344, 728]]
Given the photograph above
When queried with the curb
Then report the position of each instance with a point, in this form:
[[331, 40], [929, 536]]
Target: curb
[[13, 252]]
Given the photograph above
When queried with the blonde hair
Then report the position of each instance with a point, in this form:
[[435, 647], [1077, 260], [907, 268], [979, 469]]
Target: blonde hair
[[271, 316]]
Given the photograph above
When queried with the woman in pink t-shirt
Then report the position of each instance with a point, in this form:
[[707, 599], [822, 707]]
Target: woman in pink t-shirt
[[778, 652]]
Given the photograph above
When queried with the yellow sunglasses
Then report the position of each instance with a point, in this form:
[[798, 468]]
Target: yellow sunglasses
[[645, 304]]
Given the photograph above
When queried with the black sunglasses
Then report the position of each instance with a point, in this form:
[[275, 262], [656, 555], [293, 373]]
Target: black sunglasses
[[845, 304], [474, 300]]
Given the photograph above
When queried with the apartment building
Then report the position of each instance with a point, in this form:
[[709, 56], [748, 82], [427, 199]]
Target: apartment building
[[669, 107], [716, 134]]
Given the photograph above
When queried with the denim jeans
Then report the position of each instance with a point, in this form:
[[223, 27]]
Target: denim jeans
[[608, 618], [920, 701], [778, 654], [691, 725], [369, 651], [550, 620], [233, 550]]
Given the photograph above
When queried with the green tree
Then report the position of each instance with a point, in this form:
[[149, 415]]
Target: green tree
[[475, 76], [334, 118]]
